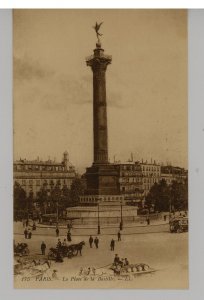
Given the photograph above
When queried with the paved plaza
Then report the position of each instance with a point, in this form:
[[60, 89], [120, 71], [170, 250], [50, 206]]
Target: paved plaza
[[163, 251]]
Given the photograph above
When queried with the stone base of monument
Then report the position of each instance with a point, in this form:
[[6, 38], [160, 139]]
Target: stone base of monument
[[106, 213]]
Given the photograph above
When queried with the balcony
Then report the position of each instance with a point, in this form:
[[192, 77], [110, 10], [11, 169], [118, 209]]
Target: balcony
[[101, 55]]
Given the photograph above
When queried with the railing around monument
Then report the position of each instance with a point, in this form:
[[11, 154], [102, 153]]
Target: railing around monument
[[105, 56]]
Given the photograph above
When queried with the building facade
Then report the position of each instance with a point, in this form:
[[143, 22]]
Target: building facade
[[35, 174], [130, 182], [135, 179], [151, 173], [171, 173]]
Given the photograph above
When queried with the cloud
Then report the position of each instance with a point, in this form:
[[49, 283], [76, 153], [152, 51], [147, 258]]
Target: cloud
[[27, 69]]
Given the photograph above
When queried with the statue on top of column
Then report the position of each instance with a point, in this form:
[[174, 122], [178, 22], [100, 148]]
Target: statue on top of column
[[96, 28]]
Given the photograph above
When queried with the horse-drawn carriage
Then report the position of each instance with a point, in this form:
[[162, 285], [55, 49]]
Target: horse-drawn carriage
[[21, 249], [66, 251]]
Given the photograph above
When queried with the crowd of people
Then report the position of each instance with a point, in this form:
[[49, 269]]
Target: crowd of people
[[93, 241]]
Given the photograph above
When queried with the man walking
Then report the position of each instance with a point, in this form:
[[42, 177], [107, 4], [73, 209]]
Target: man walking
[[26, 233], [57, 231], [116, 259], [90, 241], [119, 236], [29, 236], [112, 245], [43, 247], [69, 237], [96, 242], [59, 244]]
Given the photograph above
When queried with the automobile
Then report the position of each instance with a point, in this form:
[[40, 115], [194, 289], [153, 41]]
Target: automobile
[[178, 225]]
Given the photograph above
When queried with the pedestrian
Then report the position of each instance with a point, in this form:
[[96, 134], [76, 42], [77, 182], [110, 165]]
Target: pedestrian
[[122, 262], [59, 244], [69, 236], [126, 263], [164, 218], [119, 236], [26, 233], [148, 221], [112, 245], [43, 247], [116, 259], [96, 242], [29, 234], [27, 222], [24, 223], [57, 231], [90, 241], [64, 242], [34, 226]]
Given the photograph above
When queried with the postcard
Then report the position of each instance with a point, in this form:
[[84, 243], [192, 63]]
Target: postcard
[[100, 166]]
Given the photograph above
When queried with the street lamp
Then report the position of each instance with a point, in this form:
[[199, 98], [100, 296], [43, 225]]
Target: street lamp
[[121, 215], [57, 219], [170, 204], [99, 229]]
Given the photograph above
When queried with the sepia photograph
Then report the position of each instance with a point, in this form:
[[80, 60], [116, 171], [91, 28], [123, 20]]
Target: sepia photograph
[[100, 149]]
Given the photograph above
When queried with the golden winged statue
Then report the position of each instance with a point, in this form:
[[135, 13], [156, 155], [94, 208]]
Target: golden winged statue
[[96, 28]]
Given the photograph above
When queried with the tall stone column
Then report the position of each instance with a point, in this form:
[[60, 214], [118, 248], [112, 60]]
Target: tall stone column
[[98, 62]]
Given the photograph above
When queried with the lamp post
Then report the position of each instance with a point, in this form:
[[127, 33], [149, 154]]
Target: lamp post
[[121, 215], [99, 229], [57, 219], [170, 203]]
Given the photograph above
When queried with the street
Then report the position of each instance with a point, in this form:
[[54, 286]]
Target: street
[[163, 251]]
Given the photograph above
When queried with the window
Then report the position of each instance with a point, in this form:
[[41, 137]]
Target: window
[[37, 182], [24, 182], [30, 181]]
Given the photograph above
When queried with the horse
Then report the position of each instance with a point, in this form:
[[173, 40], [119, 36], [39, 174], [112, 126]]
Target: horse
[[77, 248]]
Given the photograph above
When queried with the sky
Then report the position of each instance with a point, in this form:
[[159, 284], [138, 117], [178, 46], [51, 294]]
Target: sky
[[146, 84]]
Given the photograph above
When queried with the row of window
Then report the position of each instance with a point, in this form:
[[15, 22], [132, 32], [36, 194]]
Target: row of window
[[147, 186], [151, 174], [131, 179], [42, 182], [131, 173], [150, 180], [95, 199], [38, 168], [152, 168], [129, 188], [130, 167]]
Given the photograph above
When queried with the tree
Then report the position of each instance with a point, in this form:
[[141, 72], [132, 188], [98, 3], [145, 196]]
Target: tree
[[42, 199], [179, 195], [168, 197], [159, 196], [20, 200], [152, 196], [163, 200], [77, 190], [66, 197]]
